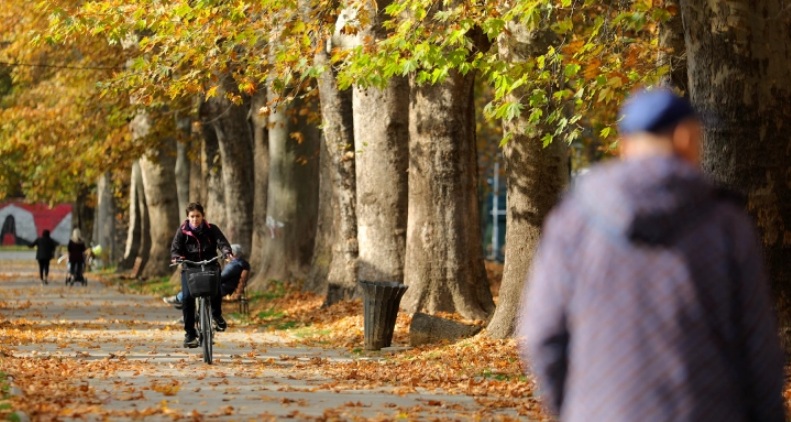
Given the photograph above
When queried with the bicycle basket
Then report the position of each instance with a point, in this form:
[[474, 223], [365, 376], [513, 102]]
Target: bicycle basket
[[203, 282]]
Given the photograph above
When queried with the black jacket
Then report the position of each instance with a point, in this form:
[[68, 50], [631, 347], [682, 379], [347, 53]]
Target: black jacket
[[198, 244], [77, 251], [45, 248]]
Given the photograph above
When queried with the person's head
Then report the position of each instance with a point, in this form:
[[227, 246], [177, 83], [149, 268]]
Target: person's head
[[76, 235], [236, 250], [45, 233], [195, 214], [659, 122]]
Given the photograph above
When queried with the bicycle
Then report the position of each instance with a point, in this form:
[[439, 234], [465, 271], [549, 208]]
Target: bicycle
[[203, 281]]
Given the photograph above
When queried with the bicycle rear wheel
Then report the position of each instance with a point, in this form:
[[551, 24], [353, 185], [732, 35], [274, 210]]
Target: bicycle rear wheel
[[206, 329]]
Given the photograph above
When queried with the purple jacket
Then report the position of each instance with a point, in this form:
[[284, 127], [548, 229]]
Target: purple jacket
[[648, 301]]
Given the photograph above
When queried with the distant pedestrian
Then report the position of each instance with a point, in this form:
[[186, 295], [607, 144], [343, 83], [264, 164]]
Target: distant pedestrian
[[45, 250], [77, 248], [648, 299]]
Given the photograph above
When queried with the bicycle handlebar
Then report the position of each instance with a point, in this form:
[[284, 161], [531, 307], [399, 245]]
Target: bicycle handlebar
[[204, 262]]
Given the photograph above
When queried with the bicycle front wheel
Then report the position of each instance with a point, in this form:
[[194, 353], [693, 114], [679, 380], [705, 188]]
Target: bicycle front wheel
[[207, 336]]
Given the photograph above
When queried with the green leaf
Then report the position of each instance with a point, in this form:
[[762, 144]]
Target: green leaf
[[571, 70], [547, 139]]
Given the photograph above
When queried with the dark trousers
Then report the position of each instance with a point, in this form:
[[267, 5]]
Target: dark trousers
[[43, 268], [76, 269], [188, 309]]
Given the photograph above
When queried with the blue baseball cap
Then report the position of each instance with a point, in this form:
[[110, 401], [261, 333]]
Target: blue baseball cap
[[653, 111]]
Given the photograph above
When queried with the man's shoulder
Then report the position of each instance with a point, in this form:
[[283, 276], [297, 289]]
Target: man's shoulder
[[241, 263]]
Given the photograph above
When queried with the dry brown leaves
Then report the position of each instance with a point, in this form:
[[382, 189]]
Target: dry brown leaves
[[487, 369]]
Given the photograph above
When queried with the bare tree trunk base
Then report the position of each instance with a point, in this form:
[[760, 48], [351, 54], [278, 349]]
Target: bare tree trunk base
[[338, 292], [427, 329]]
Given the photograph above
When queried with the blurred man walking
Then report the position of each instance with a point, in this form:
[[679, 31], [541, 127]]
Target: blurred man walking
[[648, 299]]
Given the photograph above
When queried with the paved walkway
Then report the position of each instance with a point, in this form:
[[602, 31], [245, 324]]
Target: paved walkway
[[125, 353]]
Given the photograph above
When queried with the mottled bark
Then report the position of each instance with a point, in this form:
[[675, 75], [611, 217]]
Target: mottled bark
[[336, 112], [535, 177], [144, 252], [258, 117], [325, 228], [159, 184], [292, 194], [444, 261], [739, 56], [381, 136], [182, 176], [104, 225], [235, 140], [381, 123], [211, 172], [673, 50], [133, 234], [83, 214]]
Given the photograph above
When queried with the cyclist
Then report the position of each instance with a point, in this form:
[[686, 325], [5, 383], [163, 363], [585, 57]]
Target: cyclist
[[233, 279], [197, 240]]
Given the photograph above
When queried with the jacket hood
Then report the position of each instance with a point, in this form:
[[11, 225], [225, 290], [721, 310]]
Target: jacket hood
[[648, 200]]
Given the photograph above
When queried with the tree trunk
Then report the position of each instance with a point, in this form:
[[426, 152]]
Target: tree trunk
[[83, 214], [292, 194], [182, 176], [338, 125], [144, 252], [104, 226], [535, 177], [738, 57], [381, 134], [260, 177], [199, 182], [211, 169], [325, 228], [673, 53], [159, 185], [135, 217], [381, 126], [426, 329], [444, 259], [236, 152]]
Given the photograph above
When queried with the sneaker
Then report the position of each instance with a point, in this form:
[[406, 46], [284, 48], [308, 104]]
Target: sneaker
[[191, 341], [173, 300], [221, 324]]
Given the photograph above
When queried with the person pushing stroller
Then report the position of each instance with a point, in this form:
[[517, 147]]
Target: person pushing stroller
[[76, 249]]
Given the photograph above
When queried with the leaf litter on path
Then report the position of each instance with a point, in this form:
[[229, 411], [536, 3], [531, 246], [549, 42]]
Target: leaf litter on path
[[76, 355]]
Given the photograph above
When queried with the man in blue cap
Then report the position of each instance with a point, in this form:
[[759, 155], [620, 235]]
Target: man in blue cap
[[647, 299]]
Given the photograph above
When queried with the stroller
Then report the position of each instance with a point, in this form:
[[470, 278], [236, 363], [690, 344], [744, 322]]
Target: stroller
[[76, 274]]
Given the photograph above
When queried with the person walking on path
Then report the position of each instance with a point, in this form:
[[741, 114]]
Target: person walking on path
[[197, 240], [648, 299], [45, 251], [76, 248]]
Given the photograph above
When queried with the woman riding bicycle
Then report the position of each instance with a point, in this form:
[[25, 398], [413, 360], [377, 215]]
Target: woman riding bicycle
[[197, 240]]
